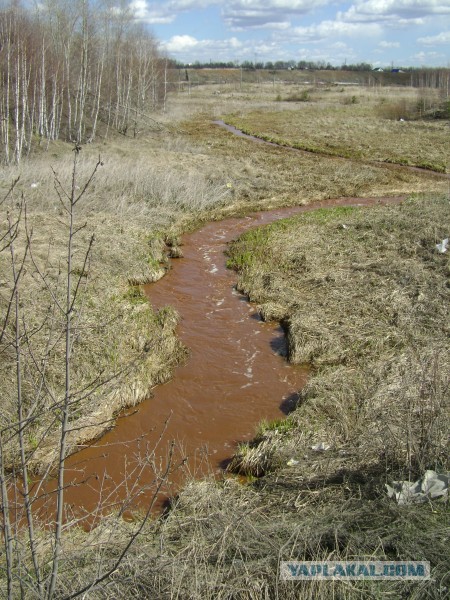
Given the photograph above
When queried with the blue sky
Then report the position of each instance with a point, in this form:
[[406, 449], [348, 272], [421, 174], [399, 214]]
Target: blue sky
[[381, 32]]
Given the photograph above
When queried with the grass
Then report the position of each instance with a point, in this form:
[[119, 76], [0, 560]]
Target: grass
[[129, 209], [367, 305], [354, 126], [370, 299], [362, 295], [227, 541]]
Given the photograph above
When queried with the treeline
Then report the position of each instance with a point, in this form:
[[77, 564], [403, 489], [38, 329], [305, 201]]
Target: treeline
[[65, 67], [419, 76], [279, 65]]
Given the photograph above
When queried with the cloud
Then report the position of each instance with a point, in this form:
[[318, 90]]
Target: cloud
[[401, 11], [328, 30], [339, 45], [155, 15], [186, 44], [189, 49], [280, 25], [245, 14], [178, 6], [435, 40], [427, 58], [190, 4], [181, 43], [384, 44], [165, 12]]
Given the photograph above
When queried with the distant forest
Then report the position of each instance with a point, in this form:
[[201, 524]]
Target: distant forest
[[432, 75]]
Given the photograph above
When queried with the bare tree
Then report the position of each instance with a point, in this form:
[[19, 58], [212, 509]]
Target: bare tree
[[35, 558], [67, 66]]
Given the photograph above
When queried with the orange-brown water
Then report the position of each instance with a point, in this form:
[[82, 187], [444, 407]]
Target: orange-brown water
[[235, 376]]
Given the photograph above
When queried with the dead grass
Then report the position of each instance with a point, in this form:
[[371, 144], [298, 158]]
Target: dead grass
[[119, 339], [365, 304], [364, 297], [132, 205], [353, 125], [222, 542]]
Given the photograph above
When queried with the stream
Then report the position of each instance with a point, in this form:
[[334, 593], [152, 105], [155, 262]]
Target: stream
[[387, 165], [235, 376]]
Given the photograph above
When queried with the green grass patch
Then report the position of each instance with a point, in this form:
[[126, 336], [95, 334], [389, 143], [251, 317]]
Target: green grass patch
[[282, 426]]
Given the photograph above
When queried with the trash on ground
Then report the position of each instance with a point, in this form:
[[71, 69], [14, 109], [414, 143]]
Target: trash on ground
[[431, 485], [321, 447], [442, 247]]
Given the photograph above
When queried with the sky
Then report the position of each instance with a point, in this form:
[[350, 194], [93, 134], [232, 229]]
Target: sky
[[381, 32]]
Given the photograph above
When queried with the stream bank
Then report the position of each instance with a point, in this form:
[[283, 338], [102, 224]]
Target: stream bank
[[236, 376]]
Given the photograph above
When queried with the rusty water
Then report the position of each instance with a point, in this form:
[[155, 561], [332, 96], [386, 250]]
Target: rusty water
[[235, 376]]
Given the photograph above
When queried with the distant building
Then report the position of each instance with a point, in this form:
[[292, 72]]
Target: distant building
[[378, 70]]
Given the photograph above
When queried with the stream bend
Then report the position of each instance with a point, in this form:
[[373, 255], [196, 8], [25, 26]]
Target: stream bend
[[236, 375]]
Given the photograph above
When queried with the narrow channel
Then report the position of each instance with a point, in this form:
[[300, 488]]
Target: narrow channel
[[385, 165], [235, 376]]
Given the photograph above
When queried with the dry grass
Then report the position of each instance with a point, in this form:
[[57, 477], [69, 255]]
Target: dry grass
[[363, 296], [368, 302], [224, 542], [129, 208], [353, 124], [365, 304]]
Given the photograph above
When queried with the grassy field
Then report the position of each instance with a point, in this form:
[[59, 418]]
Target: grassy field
[[357, 124], [362, 295], [179, 173]]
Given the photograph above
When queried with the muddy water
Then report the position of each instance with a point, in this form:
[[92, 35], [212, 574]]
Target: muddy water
[[235, 376]]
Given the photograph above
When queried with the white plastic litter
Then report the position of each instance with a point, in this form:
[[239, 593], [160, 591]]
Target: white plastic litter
[[320, 447], [34, 185], [442, 247], [292, 462], [431, 485]]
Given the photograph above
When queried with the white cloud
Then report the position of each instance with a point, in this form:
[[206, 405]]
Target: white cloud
[[339, 45], [435, 40], [328, 30], [165, 12], [288, 6], [281, 25], [244, 14], [384, 44], [427, 58], [182, 44], [190, 4], [394, 10], [408, 21], [155, 15]]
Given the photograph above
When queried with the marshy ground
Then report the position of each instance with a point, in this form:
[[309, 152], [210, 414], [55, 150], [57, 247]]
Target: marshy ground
[[362, 294]]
